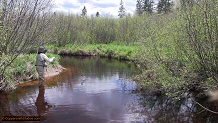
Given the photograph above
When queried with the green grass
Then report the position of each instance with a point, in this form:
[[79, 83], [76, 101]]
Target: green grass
[[116, 51], [23, 68]]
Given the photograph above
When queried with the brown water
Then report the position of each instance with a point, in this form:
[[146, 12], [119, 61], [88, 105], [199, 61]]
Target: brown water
[[98, 90], [92, 90]]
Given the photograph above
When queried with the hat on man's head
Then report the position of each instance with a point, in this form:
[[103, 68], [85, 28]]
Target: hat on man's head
[[42, 49]]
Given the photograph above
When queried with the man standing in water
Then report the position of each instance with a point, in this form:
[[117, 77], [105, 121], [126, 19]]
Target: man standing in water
[[41, 60]]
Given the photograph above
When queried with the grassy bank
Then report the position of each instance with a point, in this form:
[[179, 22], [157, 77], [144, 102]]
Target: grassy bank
[[23, 69], [169, 76], [105, 50]]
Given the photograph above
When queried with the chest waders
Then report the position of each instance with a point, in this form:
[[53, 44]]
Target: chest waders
[[40, 64]]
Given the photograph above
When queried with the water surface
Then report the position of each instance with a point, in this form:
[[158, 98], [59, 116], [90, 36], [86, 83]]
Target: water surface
[[92, 90], [100, 90]]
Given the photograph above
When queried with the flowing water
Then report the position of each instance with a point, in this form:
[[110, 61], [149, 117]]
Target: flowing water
[[98, 90]]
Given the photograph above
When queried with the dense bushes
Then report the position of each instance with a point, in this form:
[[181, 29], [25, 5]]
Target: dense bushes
[[182, 50]]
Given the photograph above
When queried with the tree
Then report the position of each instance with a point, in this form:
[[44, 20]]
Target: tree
[[97, 14], [84, 11], [121, 11], [201, 28], [148, 6], [139, 5], [22, 24], [164, 6]]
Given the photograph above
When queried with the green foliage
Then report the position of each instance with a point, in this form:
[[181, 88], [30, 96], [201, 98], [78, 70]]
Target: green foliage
[[22, 24], [177, 49], [180, 48], [72, 29], [200, 20], [23, 68], [158, 41], [113, 50]]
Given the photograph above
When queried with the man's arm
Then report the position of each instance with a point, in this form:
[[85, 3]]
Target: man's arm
[[46, 58]]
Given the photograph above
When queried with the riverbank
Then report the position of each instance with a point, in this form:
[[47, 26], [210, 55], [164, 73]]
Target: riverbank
[[120, 52], [54, 70], [50, 73], [170, 77], [23, 70]]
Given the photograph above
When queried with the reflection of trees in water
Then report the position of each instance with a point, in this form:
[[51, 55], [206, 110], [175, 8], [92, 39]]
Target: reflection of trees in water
[[12, 105], [25, 106], [201, 115], [125, 84], [159, 109], [97, 67], [4, 109]]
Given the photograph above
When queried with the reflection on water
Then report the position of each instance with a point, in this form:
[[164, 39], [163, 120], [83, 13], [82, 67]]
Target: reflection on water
[[97, 90], [42, 106], [160, 109], [91, 90]]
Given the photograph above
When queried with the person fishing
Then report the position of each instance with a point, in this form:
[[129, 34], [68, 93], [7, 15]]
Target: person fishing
[[41, 60]]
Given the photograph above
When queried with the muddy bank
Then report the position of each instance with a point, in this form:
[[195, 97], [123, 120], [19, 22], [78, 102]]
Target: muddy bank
[[53, 70], [50, 72]]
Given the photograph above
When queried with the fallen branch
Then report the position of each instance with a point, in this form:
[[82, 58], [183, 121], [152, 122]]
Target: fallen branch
[[204, 107]]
